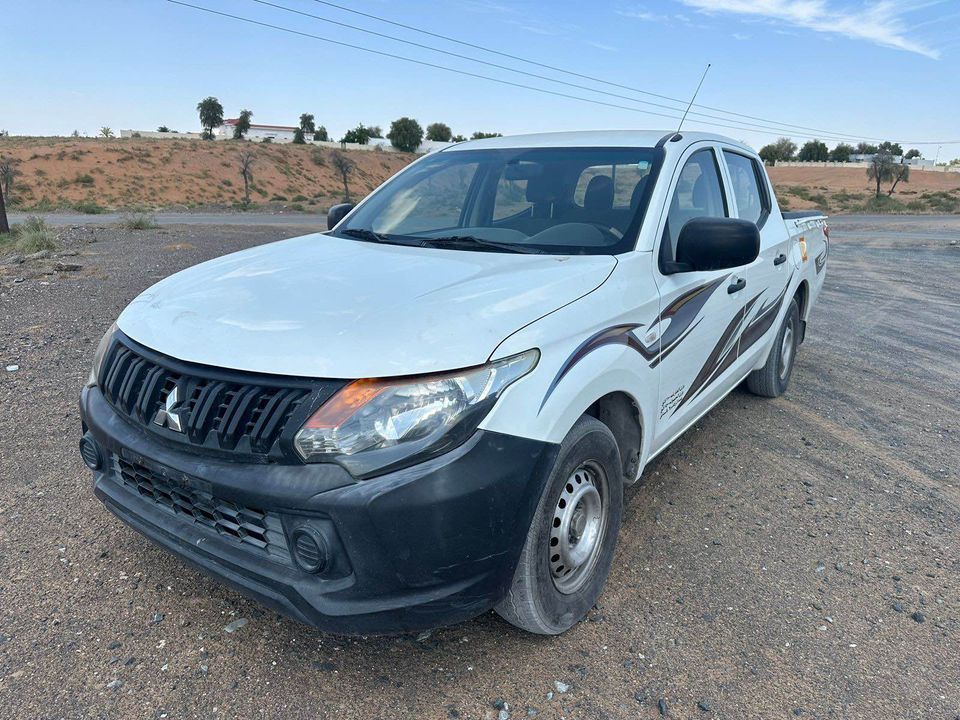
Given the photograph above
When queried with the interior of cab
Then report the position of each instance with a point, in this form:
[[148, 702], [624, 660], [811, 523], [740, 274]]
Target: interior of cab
[[586, 198]]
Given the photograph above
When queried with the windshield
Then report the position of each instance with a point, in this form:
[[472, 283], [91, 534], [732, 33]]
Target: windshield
[[551, 200]]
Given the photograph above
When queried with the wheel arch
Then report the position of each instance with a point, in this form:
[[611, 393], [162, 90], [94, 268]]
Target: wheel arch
[[620, 412]]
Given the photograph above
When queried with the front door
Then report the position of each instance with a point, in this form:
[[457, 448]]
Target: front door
[[701, 313]]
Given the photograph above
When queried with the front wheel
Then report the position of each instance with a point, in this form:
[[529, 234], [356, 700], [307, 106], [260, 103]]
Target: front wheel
[[772, 379], [569, 548]]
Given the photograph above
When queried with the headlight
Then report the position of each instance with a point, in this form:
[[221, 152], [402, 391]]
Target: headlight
[[373, 425], [100, 354]]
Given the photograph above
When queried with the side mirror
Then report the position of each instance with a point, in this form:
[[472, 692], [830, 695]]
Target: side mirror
[[337, 213], [717, 243]]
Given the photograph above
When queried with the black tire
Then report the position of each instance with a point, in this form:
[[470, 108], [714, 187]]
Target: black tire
[[536, 601], [773, 378]]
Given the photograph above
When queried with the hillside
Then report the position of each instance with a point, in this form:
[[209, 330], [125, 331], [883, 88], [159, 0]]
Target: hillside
[[847, 190], [98, 173], [91, 175]]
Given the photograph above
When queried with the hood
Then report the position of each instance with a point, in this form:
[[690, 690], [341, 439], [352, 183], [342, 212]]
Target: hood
[[321, 306]]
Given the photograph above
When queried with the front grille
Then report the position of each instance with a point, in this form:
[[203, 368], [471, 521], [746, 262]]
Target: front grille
[[220, 410], [249, 526]]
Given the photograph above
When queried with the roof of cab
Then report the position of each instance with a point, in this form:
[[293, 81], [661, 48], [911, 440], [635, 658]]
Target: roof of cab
[[589, 138]]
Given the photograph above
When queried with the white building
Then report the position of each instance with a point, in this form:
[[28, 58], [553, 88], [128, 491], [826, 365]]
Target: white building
[[257, 132]]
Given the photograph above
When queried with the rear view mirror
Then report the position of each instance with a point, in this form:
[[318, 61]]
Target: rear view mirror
[[717, 244], [337, 213]]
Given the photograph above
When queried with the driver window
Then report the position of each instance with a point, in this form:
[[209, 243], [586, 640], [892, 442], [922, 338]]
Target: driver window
[[699, 193]]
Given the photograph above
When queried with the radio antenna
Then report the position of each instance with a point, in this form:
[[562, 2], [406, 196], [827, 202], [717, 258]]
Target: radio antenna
[[695, 93]]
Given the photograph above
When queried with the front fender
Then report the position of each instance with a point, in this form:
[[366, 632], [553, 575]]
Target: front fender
[[589, 348]]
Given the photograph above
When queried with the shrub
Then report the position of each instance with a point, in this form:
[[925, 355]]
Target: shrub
[[299, 198], [296, 206], [88, 207], [30, 236], [84, 179], [138, 221]]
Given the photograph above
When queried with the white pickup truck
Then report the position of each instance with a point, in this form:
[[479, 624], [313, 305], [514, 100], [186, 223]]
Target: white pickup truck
[[432, 409]]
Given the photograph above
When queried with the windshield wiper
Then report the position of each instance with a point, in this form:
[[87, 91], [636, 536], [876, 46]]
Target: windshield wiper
[[475, 242], [365, 234]]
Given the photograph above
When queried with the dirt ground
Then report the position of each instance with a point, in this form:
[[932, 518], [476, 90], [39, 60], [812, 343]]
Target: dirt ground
[[787, 558], [56, 172]]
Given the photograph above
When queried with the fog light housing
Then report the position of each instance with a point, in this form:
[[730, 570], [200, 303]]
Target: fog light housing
[[310, 549], [90, 452]]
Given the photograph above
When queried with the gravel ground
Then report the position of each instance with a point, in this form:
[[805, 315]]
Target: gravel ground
[[787, 558]]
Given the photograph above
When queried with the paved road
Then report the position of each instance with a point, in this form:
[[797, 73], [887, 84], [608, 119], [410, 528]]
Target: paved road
[[173, 218], [794, 558]]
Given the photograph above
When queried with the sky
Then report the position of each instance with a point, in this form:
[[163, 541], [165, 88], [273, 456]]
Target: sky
[[841, 69]]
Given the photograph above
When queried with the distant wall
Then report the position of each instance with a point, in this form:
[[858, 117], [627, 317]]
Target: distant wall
[[913, 166], [376, 144]]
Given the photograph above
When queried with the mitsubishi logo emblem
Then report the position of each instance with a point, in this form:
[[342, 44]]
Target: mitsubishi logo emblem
[[169, 414]]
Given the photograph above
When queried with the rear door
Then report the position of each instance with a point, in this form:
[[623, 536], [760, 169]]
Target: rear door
[[700, 312], [769, 276]]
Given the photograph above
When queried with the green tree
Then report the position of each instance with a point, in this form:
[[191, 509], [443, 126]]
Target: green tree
[[781, 151], [841, 153], [307, 124], [405, 134], [892, 148], [458, 138], [106, 132], [901, 173], [866, 148], [163, 129], [881, 168], [321, 135], [359, 135], [242, 127], [345, 166], [911, 154], [298, 138], [814, 151], [211, 115], [247, 159], [439, 132], [479, 135], [375, 131]]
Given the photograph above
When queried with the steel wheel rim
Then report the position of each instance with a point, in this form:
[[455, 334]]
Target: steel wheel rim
[[786, 351], [578, 527]]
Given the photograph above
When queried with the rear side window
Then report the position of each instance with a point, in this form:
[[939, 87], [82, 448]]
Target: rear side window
[[628, 182], [750, 199], [699, 193]]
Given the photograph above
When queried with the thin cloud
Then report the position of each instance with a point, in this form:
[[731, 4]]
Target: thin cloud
[[641, 13], [881, 23]]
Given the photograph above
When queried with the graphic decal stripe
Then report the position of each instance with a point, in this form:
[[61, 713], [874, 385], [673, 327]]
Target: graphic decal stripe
[[725, 352], [683, 315], [616, 335]]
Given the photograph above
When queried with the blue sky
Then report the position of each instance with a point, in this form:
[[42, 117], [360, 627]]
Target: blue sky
[[867, 68]]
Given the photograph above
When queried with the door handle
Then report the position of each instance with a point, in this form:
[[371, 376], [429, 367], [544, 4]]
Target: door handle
[[780, 259], [736, 286]]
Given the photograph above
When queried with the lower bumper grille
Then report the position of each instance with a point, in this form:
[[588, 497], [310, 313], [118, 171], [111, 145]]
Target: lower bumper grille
[[245, 525]]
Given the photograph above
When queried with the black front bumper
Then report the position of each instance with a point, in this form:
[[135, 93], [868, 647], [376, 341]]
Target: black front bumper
[[426, 546]]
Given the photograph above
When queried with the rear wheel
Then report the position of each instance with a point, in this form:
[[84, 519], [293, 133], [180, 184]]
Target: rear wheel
[[772, 379], [569, 548]]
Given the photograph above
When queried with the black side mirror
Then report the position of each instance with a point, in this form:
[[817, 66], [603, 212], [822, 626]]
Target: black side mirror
[[716, 244], [337, 213]]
